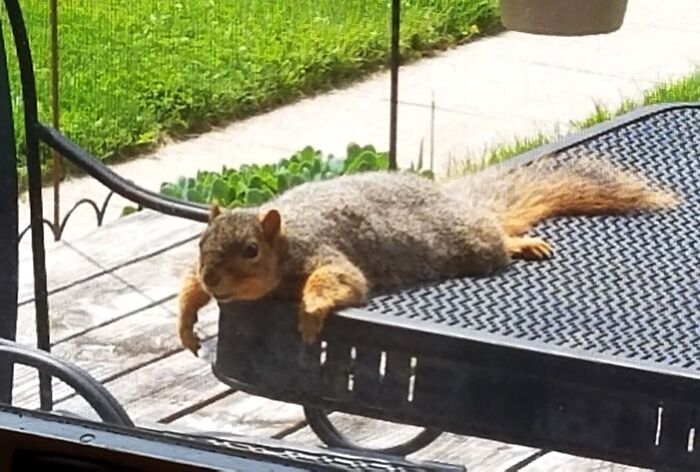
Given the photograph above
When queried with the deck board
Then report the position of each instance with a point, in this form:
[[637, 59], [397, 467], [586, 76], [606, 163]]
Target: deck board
[[120, 242], [134, 237], [476, 454], [123, 317], [122, 346], [246, 414], [58, 273], [82, 307], [113, 307], [161, 389]]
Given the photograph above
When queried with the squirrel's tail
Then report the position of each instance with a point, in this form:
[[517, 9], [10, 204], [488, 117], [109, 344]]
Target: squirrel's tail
[[523, 196]]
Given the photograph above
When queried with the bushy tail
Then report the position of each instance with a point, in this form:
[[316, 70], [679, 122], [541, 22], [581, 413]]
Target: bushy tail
[[525, 195]]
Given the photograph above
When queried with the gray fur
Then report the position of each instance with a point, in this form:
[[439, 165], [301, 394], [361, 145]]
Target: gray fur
[[397, 228], [400, 229]]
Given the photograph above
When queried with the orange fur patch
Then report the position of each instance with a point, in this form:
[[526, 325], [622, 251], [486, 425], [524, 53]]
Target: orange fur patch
[[192, 298], [572, 196], [328, 288], [247, 288]]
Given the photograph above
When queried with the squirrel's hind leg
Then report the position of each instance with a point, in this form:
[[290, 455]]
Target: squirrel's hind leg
[[527, 247], [331, 286]]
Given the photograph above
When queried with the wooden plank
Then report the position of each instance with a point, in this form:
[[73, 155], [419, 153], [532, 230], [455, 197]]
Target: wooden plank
[[128, 288], [244, 414], [118, 348], [83, 306], [366, 431], [556, 462], [118, 334], [134, 237], [110, 246], [109, 297], [255, 416], [159, 276], [162, 389], [475, 453], [166, 388], [63, 265]]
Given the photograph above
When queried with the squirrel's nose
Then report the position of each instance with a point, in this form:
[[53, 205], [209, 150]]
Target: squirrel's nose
[[210, 278]]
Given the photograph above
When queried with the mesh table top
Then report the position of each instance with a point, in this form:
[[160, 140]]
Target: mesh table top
[[624, 290]]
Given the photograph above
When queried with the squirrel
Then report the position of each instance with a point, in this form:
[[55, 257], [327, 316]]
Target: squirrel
[[329, 244]]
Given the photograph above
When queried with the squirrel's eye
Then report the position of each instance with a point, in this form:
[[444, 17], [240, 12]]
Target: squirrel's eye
[[250, 251]]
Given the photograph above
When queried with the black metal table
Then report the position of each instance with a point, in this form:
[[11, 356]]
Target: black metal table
[[595, 352]]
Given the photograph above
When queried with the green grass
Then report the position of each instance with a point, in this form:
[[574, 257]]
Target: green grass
[[135, 71], [683, 90]]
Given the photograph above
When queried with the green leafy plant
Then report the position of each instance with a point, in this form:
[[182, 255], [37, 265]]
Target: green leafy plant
[[253, 184]]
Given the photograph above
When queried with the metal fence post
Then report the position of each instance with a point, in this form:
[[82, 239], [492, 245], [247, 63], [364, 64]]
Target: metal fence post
[[394, 62], [55, 115], [8, 229]]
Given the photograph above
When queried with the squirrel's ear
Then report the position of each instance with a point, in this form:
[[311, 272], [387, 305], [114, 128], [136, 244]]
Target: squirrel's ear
[[214, 211], [271, 222]]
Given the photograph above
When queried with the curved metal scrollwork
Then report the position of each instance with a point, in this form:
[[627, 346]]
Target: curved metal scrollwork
[[58, 230]]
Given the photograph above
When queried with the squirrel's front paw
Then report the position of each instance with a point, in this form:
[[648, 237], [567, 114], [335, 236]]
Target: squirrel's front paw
[[310, 327], [328, 288], [189, 340], [313, 313]]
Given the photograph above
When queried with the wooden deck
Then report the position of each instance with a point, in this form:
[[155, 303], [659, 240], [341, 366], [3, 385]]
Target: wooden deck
[[113, 308]]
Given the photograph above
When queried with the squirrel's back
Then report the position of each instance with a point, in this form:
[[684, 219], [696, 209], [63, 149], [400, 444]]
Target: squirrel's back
[[396, 227]]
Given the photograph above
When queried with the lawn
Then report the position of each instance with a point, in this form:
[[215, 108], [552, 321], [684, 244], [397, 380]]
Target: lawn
[[135, 71]]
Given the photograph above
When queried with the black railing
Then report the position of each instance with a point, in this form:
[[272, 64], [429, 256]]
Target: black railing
[[8, 232], [58, 225]]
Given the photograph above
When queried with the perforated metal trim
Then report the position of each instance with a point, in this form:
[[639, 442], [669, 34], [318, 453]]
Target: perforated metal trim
[[318, 457]]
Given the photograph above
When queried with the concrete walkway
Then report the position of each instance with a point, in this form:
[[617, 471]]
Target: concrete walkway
[[485, 93]]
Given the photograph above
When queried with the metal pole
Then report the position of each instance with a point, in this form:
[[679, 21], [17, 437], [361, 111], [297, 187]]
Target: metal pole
[[395, 60], [8, 230], [57, 163], [31, 121]]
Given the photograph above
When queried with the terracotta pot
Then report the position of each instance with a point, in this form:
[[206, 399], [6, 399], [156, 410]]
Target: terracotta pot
[[563, 17]]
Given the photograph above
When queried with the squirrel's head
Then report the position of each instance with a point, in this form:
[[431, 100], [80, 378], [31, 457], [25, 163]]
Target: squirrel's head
[[239, 254]]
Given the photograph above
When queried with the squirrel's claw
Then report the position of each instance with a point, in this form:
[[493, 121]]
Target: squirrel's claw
[[530, 248], [190, 341]]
